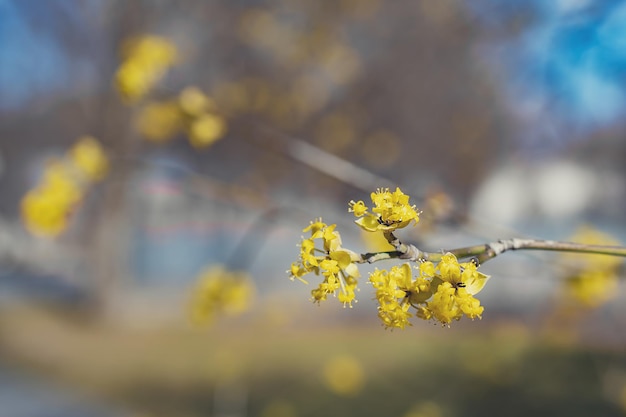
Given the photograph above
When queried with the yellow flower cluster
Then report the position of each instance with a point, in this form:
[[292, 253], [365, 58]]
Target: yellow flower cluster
[[192, 112], [333, 262], [46, 208], [145, 62], [391, 211], [220, 291], [443, 293], [593, 279]]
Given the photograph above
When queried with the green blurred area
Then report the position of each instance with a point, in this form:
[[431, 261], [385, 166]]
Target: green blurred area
[[273, 364]]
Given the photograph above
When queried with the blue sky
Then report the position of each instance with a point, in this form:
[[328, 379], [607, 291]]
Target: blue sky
[[567, 58], [35, 55]]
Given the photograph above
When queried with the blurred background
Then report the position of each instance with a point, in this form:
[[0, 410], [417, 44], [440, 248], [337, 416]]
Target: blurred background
[[147, 147]]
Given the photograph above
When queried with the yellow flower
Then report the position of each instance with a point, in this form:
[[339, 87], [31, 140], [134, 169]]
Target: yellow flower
[[469, 305], [89, 157], [391, 211], [464, 275], [206, 129], [146, 60], [421, 288], [307, 254], [151, 49], [331, 238], [592, 288], [346, 294], [46, 208], [358, 208], [391, 285], [427, 269], [344, 260], [194, 102], [450, 303], [395, 315], [159, 121], [220, 291], [593, 279], [443, 293], [443, 305], [316, 228], [393, 289], [42, 213], [454, 289], [335, 278], [298, 271], [330, 260], [329, 267]]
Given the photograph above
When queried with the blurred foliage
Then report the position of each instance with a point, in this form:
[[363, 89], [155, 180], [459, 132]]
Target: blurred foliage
[[306, 370]]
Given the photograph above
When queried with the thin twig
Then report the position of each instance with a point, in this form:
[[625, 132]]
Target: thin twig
[[496, 248], [486, 251]]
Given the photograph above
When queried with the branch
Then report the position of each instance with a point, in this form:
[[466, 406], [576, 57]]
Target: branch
[[486, 251], [491, 250]]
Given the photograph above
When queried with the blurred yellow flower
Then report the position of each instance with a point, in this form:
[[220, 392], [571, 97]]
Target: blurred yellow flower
[[344, 375], [220, 291], [146, 59], [191, 112], [194, 102], [592, 288], [47, 207], [152, 49], [206, 129], [89, 157], [159, 121], [593, 279], [43, 214]]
